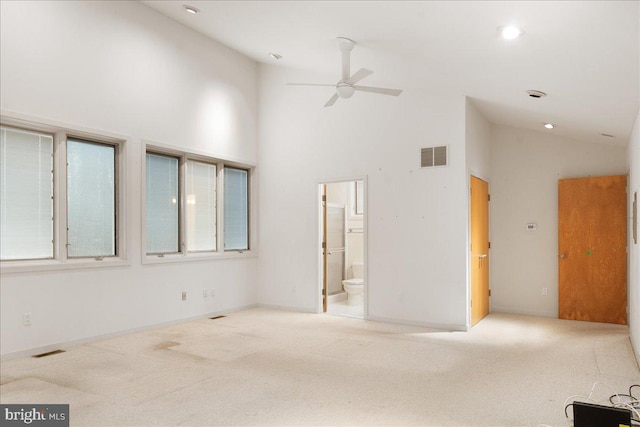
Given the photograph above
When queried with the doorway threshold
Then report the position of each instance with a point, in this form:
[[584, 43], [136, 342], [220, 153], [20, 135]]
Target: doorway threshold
[[342, 308]]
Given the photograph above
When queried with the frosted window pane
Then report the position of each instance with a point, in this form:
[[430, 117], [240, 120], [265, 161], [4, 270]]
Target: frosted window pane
[[236, 209], [201, 206], [26, 191], [91, 185], [162, 204]]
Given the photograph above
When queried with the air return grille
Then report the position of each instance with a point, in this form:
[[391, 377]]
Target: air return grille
[[433, 156]]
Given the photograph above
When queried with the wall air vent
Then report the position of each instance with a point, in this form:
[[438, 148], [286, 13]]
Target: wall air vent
[[433, 156], [426, 157]]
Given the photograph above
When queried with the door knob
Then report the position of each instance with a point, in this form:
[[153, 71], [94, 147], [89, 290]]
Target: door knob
[[563, 255]]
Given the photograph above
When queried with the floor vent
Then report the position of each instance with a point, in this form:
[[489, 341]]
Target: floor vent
[[216, 317], [433, 156], [50, 353]]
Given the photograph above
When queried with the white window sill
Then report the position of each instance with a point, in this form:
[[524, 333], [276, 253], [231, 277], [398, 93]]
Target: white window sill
[[208, 256], [7, 267]]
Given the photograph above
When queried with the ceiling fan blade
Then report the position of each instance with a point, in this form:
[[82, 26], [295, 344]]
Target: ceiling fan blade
[[310, 84], [332, 100], [380, 90], [359, 75]]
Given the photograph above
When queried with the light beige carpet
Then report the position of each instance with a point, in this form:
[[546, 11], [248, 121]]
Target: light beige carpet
[[267, 367]]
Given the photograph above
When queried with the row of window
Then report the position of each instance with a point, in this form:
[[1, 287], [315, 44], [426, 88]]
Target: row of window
[[181, 209], [163, 213]]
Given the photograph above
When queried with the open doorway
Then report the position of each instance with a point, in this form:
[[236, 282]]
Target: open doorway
[[342, 251]]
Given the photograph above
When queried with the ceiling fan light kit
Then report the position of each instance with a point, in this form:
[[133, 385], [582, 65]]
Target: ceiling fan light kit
[[346, 87], [345, 90]]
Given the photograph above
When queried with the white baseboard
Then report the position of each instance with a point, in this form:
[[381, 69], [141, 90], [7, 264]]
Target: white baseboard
[[288, 308], [512, 310], [431, 325], [80, 341], [636, 350]]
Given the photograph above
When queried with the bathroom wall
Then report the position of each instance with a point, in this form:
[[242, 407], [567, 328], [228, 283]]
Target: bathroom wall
[[355, 232], [123, 68], [338, 194], [343, 193]]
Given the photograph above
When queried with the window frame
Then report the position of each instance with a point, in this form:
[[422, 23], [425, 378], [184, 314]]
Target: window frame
[[248, 171], [70, 136], [186, 221], [62, 132], [53, 195], [220, 163], [143, 184]]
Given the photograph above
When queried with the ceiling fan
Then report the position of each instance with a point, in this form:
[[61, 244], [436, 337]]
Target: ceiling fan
[[346, 87]]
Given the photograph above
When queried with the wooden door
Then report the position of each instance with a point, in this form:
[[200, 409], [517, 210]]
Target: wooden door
[[592, 262], [479, 250]]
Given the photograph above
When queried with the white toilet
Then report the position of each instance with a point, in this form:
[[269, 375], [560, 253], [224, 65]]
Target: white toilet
[[355, 287]]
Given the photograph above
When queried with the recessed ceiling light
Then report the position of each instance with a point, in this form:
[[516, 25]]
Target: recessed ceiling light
[[190, 9], [275, 55], [510, 32], [549, 126]]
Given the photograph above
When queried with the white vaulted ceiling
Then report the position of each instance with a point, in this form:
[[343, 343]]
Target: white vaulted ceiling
[[584, 54]]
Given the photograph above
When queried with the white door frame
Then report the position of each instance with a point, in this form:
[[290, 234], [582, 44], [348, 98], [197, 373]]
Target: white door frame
[[365, 226]]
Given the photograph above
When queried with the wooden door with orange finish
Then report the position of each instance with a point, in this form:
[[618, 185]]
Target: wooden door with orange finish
[[479, 250], [592, 258]]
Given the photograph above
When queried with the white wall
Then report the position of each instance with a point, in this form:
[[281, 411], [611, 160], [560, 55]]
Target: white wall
[[417, 218], [478, 156], [525, 168], [478, 138], [123, 68], [634, 248]]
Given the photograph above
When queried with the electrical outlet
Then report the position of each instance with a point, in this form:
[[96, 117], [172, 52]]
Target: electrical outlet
[[26, 319], [184, 295], [205, 293], [213, 292], [545, 291]]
